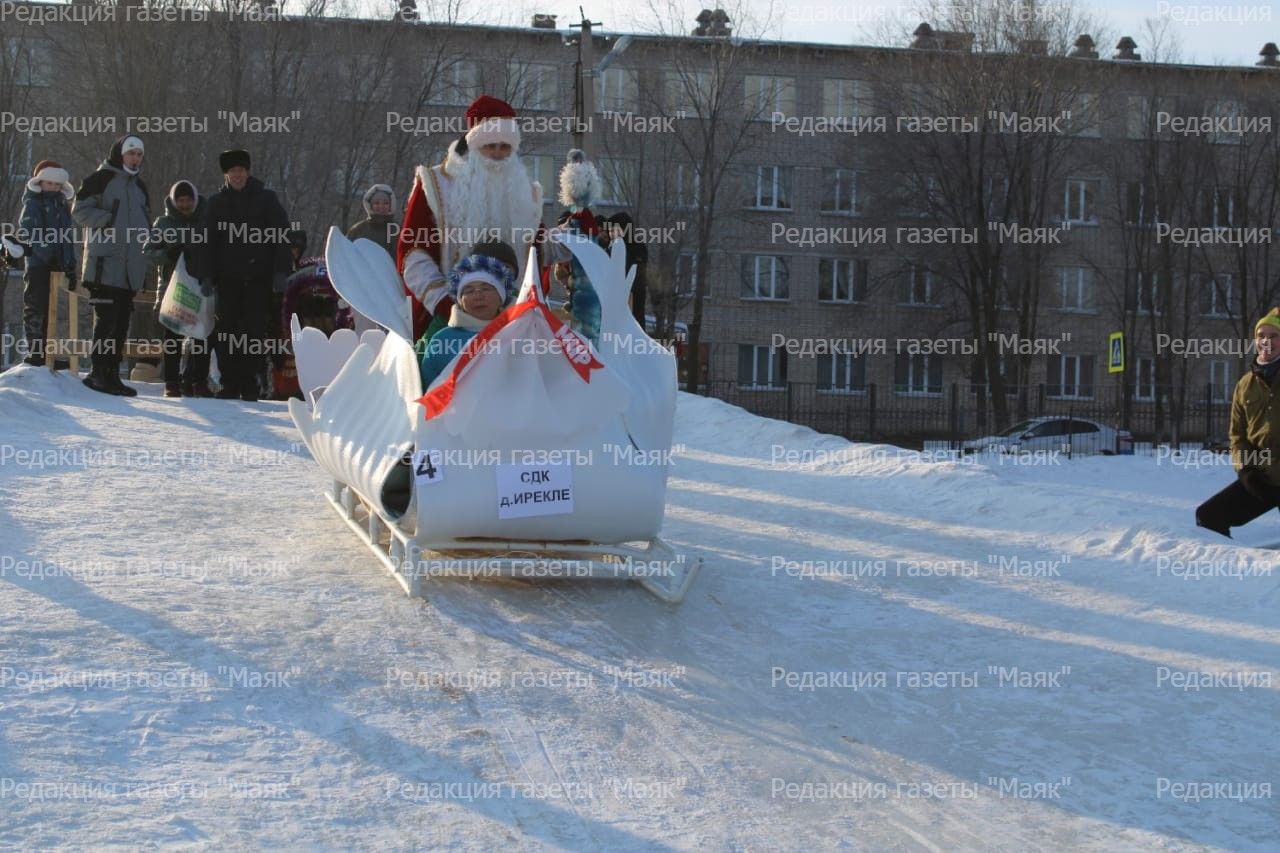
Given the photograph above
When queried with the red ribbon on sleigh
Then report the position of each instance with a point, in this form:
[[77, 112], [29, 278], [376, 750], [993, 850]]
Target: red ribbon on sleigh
[[573, 346]]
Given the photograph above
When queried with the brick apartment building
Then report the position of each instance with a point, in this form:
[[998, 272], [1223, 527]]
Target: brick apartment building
[[845, 182]]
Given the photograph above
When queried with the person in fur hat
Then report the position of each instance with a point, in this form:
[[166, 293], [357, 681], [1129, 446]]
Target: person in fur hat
[[113, 205], [245, 261], [379, 224], [46, 229], [480, 285], [480, 189], [174, 233]]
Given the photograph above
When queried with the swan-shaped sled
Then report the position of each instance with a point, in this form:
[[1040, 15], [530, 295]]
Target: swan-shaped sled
[[535, 454]]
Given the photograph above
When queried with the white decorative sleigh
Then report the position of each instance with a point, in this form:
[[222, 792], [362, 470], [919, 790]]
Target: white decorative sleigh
[[529, 470]]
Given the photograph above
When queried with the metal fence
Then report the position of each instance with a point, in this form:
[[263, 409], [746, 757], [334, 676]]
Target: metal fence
[[1173, 416]]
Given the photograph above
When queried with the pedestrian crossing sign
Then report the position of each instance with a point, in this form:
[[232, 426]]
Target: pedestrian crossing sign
[[1115, 352]]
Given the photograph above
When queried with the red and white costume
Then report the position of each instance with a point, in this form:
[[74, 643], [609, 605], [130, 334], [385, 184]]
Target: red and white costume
[[467, 198]]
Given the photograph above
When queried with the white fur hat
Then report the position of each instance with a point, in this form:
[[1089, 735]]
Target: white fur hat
[[579, 181], [56, 174]]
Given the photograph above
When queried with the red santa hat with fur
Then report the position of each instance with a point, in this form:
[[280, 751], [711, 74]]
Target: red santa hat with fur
[[490, 121]]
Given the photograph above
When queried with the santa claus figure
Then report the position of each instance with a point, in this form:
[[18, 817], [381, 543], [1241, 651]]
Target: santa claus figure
[[480, 192]]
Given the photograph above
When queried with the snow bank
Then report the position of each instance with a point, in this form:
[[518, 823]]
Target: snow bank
[[882, 651]]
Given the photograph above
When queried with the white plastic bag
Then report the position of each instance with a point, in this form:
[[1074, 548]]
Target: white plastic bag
[[184, 310]]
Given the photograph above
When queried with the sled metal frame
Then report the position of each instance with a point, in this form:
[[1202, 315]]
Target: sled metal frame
[[409, 561]]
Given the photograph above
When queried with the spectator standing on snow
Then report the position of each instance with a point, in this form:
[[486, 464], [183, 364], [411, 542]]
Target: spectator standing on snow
[[46, 229], [113, 206], [176, 232], [379, 224], [247, 256]]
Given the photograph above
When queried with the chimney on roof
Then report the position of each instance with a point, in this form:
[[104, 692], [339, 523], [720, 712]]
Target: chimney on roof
[[1084, 48], [544, 22], [1038, 47], [408, 11], [1127, 50], [924, 38], [720, 23], [704, 23], [1269, 54], [712, 24]]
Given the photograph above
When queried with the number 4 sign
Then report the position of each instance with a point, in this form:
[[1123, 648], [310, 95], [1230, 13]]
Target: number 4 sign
[[427, 466]]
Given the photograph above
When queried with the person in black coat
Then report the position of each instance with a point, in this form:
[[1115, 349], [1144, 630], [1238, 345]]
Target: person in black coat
[[619, 227], [247, 253]]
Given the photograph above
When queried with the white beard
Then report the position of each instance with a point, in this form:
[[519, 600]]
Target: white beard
[[490, 199]]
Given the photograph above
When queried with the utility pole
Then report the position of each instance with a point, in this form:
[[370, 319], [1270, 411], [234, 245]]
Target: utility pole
[[584, 101]]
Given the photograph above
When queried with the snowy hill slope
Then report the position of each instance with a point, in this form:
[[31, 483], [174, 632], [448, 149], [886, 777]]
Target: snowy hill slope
[[882, 652]]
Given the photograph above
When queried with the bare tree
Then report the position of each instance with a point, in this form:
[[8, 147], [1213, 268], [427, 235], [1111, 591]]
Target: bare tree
[[987, 121], [712, 123]]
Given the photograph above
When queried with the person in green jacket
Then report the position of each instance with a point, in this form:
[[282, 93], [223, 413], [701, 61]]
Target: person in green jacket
[[1255, 439]]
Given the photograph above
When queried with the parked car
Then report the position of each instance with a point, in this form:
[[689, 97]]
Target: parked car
[[1061, 434]]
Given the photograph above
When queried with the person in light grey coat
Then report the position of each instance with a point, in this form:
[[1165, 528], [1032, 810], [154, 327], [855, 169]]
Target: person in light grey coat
[[112, 205]]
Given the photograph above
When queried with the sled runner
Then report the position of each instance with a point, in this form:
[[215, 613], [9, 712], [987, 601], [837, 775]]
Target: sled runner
[[533, 455]]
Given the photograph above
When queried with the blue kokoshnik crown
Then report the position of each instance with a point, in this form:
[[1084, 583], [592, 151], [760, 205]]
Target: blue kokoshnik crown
[[482, 263]]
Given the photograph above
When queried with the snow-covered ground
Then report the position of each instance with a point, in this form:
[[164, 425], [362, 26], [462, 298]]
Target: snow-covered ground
[[882, 651]]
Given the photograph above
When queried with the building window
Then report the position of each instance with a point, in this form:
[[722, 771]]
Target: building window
[[30, 61], [1008, 295], [617, 180], [771, 188], [1144, 117], [1140, 204], [1075, 289], [1145, 292], [535, 86], [761, 367], [840, 191], [617, 90], [765, 277], [1070, 376], [1005, 374], [1226, 114], [1220, 382], [1220, 207], [917, 374], [1080, 205], [766, 96], [1085, 120], [1217, 297], [457, 84], [16, 149], [846, 99], [843, 373], [918, 286], [689, 93], [688, 185], [542, 168], [686, 277], [842, 279], [1140, 120], [1144, 380], [923, 193]]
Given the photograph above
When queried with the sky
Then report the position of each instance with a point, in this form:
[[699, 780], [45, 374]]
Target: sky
[[1211, 33]]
